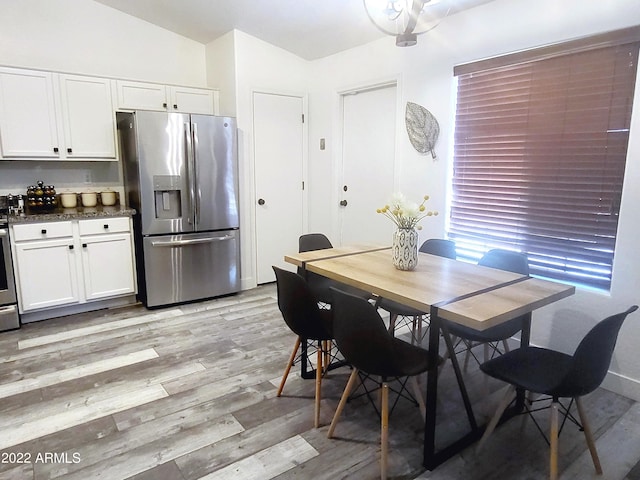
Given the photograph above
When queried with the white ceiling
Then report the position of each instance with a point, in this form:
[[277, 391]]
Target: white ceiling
[[310, 29]]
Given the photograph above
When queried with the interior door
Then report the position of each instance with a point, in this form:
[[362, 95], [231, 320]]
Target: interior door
[[279, 155], [368, 157]]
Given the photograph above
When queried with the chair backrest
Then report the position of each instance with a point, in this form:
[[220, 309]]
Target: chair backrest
[[440, 247], [592, 358], [299, 306], [309, 242], [511, 262], [313, 241], [506, 260], [361, 335]]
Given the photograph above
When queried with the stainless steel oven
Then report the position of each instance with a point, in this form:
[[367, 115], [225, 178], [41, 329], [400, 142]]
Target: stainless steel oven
[[9, 318]]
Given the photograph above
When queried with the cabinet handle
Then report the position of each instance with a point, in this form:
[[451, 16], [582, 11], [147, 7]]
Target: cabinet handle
[[43, 231], [106, 226], [164, 105], [69, 150], [175, 106], [56, 149], [84, 245], [70, 247]]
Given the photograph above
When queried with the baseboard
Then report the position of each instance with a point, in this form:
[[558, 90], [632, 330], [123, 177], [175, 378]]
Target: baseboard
[[248, 283], [622, 385], [54, 312]]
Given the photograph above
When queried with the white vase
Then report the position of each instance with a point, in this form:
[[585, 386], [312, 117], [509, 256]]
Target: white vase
[[405, 248]]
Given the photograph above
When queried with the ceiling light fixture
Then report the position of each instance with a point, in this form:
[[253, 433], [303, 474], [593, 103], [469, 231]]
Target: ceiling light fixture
[[406, 19]]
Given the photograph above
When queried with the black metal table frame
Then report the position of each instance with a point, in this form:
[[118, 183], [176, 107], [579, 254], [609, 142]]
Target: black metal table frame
[[431, 457]]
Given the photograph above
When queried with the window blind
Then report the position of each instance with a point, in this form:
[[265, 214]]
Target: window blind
[[539, 160]]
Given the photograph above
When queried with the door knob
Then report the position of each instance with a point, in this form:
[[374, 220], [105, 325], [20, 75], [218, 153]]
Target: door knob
[[261, 201], [343, 203]]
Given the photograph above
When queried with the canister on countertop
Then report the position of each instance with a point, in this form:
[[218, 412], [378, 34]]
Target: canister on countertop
[[108, 198], [89, 199]]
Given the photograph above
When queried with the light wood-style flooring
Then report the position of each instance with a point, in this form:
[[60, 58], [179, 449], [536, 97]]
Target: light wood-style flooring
[[188, 392]]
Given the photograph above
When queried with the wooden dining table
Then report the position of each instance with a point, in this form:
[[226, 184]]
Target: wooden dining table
[[449, 290]]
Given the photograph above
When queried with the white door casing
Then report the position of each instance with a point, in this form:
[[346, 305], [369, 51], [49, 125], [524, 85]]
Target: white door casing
[[279, 155], [368, 164]]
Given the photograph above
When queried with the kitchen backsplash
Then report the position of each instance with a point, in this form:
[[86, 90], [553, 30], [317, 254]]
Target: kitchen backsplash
[[16, 176]]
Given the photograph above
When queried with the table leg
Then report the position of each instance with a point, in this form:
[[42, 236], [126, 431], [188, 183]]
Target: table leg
[[433, 458], [456, 368], [304, 361], [525, 337], [432, 390]]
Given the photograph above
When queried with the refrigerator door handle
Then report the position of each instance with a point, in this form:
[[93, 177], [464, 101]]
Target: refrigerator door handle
[[181, 243], [194, 173], [190, 171]]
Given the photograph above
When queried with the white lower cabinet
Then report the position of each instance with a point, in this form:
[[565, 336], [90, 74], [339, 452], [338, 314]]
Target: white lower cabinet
[[66, 263], [47, 273], [107, 265]]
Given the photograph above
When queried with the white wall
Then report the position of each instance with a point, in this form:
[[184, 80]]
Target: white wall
[[221, 72], [426, 73], [85, 37], [265, 68], [81, 36]]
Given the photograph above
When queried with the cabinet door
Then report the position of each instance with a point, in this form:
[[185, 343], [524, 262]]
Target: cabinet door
[[27, 115], [107, 263], [191, 100], [87, 112], [141, 96], [46, 274]]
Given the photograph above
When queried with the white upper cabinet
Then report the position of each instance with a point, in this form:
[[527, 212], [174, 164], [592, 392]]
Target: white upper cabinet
[[87, 112], [47, 115], [141, 96], [153, 96], [191, 100], [28, 121], [55, 116]]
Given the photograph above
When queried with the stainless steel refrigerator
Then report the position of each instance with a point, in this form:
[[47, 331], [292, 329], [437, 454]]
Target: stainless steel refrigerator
[[181, 176]]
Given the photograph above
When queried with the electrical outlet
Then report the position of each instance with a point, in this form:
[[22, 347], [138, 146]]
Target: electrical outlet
[[87, 177]]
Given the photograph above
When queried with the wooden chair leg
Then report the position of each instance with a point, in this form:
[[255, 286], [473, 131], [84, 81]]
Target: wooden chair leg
[[343, 401], [327, 345], [553, 440], [288, 368], [320, 354], [418, 394], [589, 436], [502, 406], [384, 431]]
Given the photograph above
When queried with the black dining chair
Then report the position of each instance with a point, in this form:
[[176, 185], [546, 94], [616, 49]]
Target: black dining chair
[[320, 285], [418, 318], [558, 375], [366, 344], [301, 313], [470, 338]]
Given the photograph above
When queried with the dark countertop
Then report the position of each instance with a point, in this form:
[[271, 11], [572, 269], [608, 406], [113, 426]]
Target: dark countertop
[[78, 213]]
